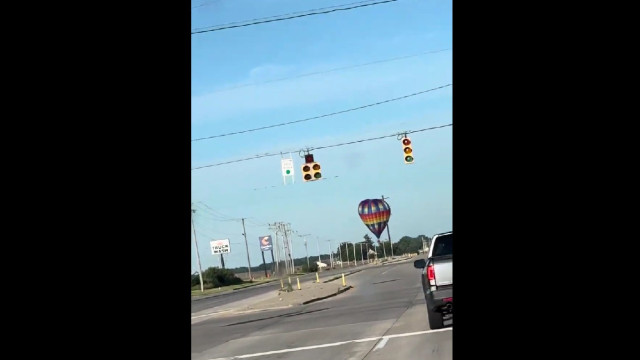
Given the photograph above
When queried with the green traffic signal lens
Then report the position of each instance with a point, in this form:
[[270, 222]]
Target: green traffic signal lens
[[408, 158], [288, 172], [317, 175]]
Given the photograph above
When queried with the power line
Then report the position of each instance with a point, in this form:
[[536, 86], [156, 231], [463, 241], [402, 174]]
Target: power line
[[277, 16], [210, 214], [210, 211], [230, 26], [219, 214], [202, 4], [327, 71], [322, 147], [378, 138], [321, 116], [275, 186]]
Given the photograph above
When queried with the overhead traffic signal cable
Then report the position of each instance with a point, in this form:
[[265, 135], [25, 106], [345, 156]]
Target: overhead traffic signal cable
[[322, 147], [321, 116]]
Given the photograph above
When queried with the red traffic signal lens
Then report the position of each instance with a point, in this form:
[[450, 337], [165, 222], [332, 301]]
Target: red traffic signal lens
[[316, 167], [306, 168], [308, 158], [406, 141]]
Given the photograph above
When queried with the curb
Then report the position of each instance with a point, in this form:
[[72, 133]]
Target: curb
[[340, 291]]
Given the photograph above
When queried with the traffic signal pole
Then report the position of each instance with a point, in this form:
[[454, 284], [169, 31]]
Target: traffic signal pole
[[388, 234]]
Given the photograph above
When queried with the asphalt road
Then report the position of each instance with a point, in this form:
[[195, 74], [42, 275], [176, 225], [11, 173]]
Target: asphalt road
[[382, 317]]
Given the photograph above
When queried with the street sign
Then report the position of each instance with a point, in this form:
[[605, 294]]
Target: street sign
[[287, 167], [220, 246]]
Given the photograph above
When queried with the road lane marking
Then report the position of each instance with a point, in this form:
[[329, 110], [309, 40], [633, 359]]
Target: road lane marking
[[210, 314], [385, 339], [382, 343]]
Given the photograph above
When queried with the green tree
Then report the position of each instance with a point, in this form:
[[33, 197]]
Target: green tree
[[367, 239], [215, 277], [313, 267], [195, 279], [368, 245]]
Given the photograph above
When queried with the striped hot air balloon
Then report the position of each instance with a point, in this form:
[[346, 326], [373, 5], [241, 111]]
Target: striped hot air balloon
[[375, 214]]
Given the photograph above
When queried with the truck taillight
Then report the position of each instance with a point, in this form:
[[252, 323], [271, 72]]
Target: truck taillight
[[431, 275]]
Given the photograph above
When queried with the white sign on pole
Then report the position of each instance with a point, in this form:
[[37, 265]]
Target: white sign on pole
[[287, 167], [220, 246]]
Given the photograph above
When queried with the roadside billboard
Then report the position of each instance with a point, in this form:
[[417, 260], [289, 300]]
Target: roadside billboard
[[220, 246], [265, 243]]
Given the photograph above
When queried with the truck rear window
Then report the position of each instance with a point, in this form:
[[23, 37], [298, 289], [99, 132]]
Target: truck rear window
[[443, 245]]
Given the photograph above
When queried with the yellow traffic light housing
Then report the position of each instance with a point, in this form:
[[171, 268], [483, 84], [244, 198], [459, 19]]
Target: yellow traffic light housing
[[311, 170], [408, 150]]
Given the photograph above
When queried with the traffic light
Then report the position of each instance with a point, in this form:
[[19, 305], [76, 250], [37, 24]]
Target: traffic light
[[408, 150], [311, 170]]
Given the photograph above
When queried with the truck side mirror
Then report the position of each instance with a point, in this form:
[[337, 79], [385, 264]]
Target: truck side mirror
[[420, 264]]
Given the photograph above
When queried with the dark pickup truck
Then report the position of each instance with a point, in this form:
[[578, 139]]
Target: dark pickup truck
[[437, 280]]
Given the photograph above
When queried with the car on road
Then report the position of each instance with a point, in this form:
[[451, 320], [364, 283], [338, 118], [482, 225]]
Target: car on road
[[437, 280]]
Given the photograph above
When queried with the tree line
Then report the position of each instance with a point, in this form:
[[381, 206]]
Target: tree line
[[344, 252]]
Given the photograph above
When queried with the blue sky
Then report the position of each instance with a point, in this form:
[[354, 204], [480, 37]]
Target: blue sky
[[236, 85]]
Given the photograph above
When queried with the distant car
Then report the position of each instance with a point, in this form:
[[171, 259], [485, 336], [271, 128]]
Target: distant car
[[321, 264], [437, 280]]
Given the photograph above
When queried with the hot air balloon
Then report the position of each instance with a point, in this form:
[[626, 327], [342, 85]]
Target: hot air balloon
[[375, 215]]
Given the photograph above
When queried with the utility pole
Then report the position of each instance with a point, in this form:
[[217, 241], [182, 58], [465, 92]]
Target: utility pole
[[340, 249], [275, 245], [287, 248], [306, 251], [197, 251], [355, 259], [389, 235], [304, 236], [284, 249], [290, 241], [375, 248], [246, 244], [318, 244]]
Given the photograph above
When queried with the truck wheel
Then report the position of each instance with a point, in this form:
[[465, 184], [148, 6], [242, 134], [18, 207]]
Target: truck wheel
[[435, 320]]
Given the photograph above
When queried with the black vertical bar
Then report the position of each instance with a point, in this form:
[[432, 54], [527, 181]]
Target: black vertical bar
[[264, 264]]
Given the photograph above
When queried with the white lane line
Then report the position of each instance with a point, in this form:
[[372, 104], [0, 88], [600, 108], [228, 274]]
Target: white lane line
[[419, 332], [210, 314], [385, 338], [382, 343]]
